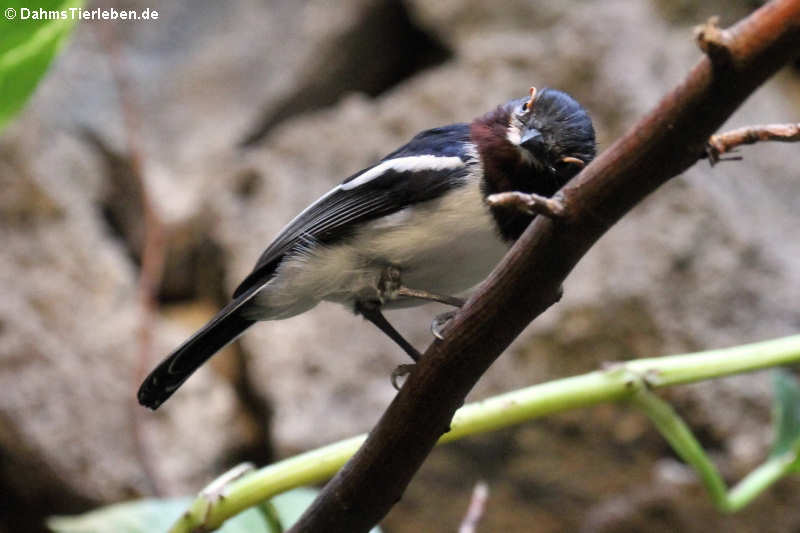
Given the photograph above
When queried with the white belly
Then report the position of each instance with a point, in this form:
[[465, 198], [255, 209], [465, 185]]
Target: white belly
[[445, 246]]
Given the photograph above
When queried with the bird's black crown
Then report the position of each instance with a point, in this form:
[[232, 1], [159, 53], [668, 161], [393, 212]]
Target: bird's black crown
[[564, 124]]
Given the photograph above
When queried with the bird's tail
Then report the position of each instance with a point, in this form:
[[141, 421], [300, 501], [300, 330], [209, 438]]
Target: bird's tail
[[175, 369]]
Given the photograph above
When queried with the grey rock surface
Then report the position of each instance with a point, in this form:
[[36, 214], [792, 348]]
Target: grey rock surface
[[710, 260]]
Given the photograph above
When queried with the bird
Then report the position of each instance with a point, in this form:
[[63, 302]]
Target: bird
[[412, 228]]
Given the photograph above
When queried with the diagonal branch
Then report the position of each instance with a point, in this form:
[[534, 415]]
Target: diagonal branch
[[663, 144]]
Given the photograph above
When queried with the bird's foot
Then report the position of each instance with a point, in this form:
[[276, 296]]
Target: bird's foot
[[430, 296], [439, 323], [400, 373]]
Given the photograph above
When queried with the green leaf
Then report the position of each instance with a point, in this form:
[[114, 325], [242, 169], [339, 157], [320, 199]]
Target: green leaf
[[146, 516], [290, 505], [786, 414], [27, 47]]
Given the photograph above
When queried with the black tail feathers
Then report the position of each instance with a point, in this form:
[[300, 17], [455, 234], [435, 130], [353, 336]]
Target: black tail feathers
[[175, 369]]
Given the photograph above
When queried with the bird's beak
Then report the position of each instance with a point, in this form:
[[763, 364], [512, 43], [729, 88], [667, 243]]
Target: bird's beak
[[531, 138]]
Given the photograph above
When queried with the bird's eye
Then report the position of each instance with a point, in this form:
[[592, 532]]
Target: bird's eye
[[526, 107]]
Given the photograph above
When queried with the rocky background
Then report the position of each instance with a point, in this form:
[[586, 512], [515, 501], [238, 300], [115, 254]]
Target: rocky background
[[245, 111]]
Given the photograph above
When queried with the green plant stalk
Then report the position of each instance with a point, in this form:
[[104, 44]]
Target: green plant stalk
[[304, 469], [618, 381], [758, 481], [680, 437]]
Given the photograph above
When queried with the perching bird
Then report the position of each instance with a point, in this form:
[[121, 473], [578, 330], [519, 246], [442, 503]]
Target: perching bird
[[412, 228]]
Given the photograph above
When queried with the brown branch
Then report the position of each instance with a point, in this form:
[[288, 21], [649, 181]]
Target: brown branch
[[718, 144], [725, 142], [663, 144], [714, 41], [152, 252]]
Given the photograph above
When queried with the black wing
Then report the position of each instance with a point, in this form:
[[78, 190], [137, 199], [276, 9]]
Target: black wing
[[340, 212]]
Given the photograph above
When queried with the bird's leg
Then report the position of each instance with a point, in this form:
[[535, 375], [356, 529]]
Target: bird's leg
[[372, 312], [390, 287]]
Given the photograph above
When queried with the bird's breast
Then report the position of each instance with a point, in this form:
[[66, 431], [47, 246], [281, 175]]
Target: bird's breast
[[446, 245]]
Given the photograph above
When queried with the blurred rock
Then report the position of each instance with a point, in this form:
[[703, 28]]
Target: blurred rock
[[69, 347], [711, 260], [364, 46]]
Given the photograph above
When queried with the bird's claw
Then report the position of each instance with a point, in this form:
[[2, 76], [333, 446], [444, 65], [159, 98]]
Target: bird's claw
[[400, 373], [440, 321]]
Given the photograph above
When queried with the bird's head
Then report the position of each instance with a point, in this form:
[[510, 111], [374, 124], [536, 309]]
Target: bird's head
[[534, 144], [552, 132]]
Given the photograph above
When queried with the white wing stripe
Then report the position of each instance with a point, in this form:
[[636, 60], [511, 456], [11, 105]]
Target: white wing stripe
[[404, 164]]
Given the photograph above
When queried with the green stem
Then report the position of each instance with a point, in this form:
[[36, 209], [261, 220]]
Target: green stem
[[305, 469], [618, 382], [678, 369], [759, 480], [680, 437]]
